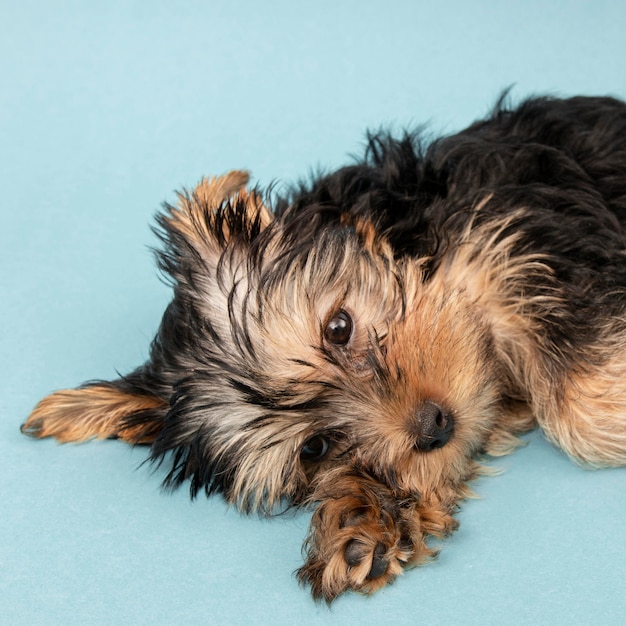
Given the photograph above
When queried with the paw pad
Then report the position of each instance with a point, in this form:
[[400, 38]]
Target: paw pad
[[356, 551]]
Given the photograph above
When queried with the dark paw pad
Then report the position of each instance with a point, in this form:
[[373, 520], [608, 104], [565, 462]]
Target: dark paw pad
[[379, 564], [356, 551]]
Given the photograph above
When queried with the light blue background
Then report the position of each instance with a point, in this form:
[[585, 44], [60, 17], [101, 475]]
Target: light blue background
[[105, 108]]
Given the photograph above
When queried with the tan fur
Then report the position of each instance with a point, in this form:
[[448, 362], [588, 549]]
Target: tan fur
[[359, 512], [76, 415], [589, 420], [193, 216]]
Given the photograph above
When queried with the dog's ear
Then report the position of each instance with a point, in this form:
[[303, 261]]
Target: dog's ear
[[218, 213], [208, 239], [101, 410]]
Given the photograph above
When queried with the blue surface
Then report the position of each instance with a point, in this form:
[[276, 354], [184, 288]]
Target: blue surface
[[105, 109]]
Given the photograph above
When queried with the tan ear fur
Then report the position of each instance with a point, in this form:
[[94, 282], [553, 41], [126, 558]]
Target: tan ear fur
[[99, 411], [193, 217]]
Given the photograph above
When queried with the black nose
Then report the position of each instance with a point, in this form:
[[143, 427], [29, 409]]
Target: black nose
[[432, 427]]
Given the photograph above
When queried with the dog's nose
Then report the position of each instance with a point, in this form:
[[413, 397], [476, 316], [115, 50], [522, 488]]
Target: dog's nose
[[432, 426]]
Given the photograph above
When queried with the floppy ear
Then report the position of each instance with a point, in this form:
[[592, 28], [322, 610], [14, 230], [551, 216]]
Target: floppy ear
[[101, 410]]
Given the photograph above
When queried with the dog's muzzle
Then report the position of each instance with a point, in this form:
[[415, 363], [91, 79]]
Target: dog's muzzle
[[432, 427]]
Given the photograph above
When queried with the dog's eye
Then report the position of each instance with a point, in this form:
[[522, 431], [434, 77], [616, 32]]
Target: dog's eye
[[339, 329], [315, 448]]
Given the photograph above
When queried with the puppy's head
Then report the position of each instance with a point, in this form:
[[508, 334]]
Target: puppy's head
[[292, 345], [297, 343], [272, 320]]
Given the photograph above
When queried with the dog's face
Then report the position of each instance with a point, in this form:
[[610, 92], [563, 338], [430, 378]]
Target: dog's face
[[293, 348]]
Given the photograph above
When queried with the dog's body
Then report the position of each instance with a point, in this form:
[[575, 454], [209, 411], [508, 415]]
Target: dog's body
[[361, 346]]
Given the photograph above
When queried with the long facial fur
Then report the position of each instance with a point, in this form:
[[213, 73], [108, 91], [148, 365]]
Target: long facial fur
[[259, 380]]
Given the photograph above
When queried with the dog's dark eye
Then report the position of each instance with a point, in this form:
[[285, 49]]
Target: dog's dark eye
[[339, 329], [315, 448]]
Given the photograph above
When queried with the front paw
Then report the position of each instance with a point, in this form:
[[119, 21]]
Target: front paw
[[361, 541]]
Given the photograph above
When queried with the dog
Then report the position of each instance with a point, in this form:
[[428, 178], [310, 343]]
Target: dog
[[361, 343]]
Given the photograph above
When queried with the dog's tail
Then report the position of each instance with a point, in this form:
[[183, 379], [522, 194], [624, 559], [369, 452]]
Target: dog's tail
[[120, 409]]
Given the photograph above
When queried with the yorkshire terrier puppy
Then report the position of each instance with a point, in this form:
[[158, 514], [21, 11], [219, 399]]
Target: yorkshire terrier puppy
[[361, 346]]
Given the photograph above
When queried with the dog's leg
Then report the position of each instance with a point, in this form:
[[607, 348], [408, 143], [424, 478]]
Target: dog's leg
[[588, 418], [102, 410], [362, 535]]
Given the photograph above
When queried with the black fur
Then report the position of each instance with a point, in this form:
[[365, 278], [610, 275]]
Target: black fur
[[565, 160]]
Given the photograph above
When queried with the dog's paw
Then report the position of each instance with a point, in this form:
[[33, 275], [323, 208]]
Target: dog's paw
[[361, 541]]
